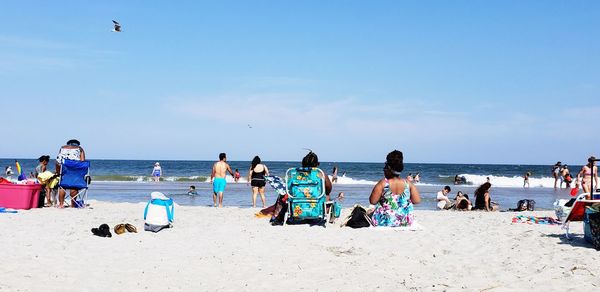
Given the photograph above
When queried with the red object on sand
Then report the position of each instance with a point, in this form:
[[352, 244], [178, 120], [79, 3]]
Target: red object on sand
[[574, 192]]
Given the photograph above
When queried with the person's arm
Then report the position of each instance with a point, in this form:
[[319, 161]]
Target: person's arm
[[415, 196], [81, 154], [328, 187], [580, 173], [266, 170], [486, 199], [212, 174], [249, 175], [229, 169], [376, 193]]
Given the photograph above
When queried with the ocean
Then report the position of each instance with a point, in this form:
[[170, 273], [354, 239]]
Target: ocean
[[130, 181]]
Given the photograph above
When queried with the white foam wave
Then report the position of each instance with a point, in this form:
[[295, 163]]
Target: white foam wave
[[505, 181], [345, 180]]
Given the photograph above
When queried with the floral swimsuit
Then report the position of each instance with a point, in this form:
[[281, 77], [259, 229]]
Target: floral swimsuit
[[394, 210]]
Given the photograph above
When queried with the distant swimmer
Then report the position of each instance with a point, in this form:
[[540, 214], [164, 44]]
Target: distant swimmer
[[192, 191], [526, 179], [117, 26], [459, 180]]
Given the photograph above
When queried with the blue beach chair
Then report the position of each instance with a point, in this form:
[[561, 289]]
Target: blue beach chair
[[75, 175], [306, 195]]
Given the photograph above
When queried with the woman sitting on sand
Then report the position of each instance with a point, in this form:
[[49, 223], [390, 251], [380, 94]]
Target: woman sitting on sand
[[312, 160], [483, 201], [393, 196]]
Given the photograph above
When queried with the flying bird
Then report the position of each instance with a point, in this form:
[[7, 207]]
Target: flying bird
[[117, 26], [249, 126]]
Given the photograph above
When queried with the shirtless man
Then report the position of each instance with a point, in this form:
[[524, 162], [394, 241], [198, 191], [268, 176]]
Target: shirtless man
[[217, 178]]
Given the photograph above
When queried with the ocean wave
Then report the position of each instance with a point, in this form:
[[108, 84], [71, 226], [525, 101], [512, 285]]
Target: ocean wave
[[141, 178], [345, 180], [506, 181]]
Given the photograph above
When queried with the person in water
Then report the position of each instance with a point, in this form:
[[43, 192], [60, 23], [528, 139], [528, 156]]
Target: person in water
[[334, 174], [393, 196], [526, 179], [236, 175], [192, 191], [256, 177], [217, 178], [156, 172]]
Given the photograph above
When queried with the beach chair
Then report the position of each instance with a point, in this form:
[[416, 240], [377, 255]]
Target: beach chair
[[577, 212], [75, 175], [306, 195]]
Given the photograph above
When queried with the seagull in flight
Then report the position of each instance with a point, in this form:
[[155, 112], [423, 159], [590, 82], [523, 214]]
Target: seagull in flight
[[117, 26], [249, 126]]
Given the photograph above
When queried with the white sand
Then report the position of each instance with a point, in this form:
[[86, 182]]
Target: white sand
[[228, 249]]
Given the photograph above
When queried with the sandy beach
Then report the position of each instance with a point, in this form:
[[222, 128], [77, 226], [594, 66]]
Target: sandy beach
[[228, 249]]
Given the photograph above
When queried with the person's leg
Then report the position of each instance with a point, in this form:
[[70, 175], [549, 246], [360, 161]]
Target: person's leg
[[254, 193], [61, 198], [220, 199], [262, 196], [48, 196], [73, 194]]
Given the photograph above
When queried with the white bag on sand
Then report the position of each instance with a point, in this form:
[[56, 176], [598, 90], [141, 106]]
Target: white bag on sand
[[158, 213]]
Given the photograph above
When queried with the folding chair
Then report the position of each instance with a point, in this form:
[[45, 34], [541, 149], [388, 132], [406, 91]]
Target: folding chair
[[306, 195], [75, 175]]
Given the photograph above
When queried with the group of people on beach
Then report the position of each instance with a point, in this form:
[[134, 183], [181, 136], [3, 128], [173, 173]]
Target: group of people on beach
[[461, 202], [43, 174], [583, 179]]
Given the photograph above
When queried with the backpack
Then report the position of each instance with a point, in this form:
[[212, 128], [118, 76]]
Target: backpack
[[158, 213], [358, 218], [525, 205]]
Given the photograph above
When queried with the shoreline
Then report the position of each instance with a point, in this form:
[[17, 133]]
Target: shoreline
[[228, 249]]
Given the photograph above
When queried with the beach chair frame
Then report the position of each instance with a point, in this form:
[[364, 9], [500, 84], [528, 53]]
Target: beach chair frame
[[294, 201], [79, 183]]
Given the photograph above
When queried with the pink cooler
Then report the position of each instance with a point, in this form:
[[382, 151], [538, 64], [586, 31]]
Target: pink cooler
[[17, 196]]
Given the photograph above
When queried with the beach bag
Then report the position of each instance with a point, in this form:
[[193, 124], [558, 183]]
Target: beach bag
[[594, 221], [158, 213], [358, 218], [562, 208]]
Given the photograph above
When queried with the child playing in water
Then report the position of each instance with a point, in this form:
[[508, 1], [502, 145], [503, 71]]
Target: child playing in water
[[192, 191], [236, 175]]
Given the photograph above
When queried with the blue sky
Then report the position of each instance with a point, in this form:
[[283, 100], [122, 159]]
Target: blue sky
[[443, 81]]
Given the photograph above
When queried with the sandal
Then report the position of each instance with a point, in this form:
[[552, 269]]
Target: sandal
[[102, 231], [120, 228], [130, 228]]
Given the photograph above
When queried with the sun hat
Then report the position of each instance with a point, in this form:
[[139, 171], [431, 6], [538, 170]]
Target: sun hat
[[156, 163]]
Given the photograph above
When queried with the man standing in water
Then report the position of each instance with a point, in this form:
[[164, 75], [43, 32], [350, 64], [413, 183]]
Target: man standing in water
[[217, 178]]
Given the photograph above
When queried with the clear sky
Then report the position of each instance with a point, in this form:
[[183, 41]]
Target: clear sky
[[442, 81]]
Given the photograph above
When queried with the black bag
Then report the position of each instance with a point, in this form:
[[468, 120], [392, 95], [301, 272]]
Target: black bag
[[525, 205], [594, 219], [358, 218]]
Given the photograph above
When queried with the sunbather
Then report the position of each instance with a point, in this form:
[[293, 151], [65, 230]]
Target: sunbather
[[393, 196], [312, 160]]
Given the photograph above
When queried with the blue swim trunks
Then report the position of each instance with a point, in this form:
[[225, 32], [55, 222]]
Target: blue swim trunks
[[219, 184]]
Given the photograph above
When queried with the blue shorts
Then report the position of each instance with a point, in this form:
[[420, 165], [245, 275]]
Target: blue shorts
[[219, 184]]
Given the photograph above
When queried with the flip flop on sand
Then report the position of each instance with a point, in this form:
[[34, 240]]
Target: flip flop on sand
[[130, 228], [102, 231], [120, 228]]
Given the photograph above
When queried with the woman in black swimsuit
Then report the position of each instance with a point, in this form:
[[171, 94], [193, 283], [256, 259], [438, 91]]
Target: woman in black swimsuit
[[256, 177]]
